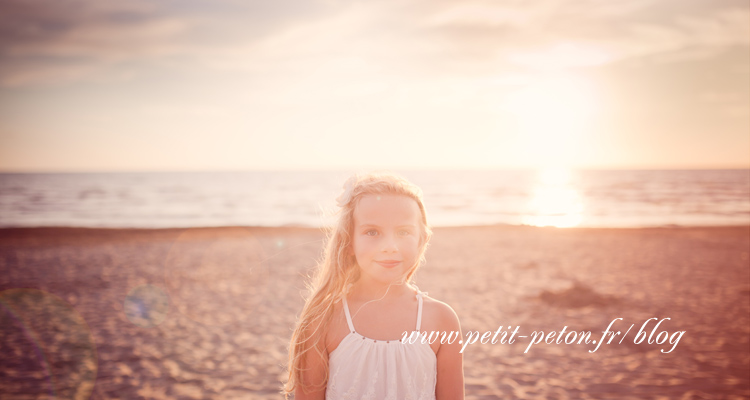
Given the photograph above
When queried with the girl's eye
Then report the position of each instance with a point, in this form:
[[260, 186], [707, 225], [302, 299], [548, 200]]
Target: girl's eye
[[373, 232]]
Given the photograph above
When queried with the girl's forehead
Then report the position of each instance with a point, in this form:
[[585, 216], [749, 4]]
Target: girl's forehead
[[386, 209]]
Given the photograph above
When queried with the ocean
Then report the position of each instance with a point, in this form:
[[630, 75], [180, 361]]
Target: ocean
[[556, 197]]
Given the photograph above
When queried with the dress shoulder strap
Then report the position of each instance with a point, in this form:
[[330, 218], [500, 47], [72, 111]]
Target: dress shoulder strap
[[348, 316], [419, 311], [419, 308]]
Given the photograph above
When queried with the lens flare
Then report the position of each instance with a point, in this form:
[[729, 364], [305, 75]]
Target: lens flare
[[47, 348], [146, 306]]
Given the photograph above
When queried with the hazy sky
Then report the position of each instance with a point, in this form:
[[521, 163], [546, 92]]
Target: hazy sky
[[90, 85]]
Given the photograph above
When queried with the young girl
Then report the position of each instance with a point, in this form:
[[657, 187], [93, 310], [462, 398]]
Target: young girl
[[348, 340]]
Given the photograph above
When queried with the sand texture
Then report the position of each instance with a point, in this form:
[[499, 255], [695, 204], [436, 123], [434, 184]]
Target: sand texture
[[207, 313]]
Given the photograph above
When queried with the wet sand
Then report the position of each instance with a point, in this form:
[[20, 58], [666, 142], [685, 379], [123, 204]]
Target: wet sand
[[207, 313]]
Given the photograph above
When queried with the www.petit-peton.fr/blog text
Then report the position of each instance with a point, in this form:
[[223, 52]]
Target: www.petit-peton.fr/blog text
[[650, 331]]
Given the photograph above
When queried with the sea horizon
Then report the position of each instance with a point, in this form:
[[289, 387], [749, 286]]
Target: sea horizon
[[583, 198]]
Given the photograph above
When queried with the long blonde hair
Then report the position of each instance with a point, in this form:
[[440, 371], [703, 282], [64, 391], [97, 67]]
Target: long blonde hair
[[337, 270]]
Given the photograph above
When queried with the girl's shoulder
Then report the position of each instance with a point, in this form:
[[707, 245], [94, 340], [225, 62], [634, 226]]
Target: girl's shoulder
[[439, 315], [336, 329]]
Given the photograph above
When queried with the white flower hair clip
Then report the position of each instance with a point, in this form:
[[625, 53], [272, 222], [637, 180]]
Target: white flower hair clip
[[346, 196]]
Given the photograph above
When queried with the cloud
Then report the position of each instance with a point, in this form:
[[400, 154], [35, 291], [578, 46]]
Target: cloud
[[556, 34], [47, 42], [44, 41]]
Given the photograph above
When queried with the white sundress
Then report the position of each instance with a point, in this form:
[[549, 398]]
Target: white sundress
[[367, 369]]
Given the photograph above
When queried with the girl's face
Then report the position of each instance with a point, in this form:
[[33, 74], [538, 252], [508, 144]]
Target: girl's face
[[386, 236]]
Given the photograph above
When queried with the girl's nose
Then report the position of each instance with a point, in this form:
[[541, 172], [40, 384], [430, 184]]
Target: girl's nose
[[390, 244]]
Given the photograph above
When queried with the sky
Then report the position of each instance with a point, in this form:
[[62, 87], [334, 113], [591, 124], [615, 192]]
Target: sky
[[161, 85]]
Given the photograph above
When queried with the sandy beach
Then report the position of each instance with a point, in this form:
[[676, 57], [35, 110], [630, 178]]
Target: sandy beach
[[207, 313]]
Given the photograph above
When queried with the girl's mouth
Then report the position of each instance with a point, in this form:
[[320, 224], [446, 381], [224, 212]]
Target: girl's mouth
[[388, 263]]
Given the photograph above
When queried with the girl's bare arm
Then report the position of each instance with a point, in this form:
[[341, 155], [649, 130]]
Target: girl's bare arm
[[450, 369], [313, 375]]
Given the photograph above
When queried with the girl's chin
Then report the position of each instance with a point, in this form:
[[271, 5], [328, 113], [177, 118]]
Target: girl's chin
[[386, 279]]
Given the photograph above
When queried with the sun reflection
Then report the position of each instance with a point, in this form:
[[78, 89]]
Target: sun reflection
[[555, 201]]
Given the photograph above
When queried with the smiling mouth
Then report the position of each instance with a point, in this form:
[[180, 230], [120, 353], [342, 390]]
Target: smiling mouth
[[389, 263]]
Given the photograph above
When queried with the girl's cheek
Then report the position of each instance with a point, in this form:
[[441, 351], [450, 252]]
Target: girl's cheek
[[412, 240]]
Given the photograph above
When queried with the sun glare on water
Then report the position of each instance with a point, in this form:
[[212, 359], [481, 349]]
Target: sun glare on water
[[555, 201], [553, 115]]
